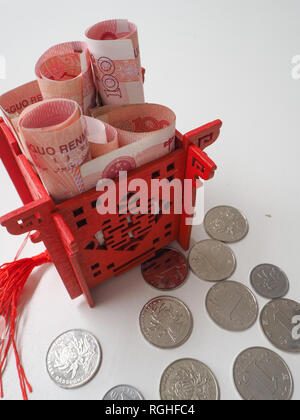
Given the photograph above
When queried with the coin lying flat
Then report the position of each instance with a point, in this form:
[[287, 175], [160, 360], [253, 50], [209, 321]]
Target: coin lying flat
[[188, 379], [168, 270], [261, 375], [269, 281], [212, 260], [166, 322], [226, 224], [232, 306], [123, 393], [73, 359], [279, 319]]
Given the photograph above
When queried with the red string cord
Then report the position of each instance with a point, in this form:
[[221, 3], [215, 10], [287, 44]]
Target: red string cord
[[13, 277]]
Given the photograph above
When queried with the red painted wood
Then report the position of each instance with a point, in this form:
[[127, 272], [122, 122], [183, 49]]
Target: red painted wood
[[204, 136], [72, 250], [198, 166]]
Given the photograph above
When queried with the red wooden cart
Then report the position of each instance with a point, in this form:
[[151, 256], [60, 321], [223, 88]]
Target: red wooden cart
[[70, 230]]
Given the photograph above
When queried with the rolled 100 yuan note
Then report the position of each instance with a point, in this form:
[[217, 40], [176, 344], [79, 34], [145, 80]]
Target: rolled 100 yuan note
[[56, 138], [13, 103], [146, 132], [137, 122], [114, 48], [65, 71]]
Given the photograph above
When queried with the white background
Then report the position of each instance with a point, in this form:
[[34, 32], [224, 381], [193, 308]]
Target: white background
[[205, 59]]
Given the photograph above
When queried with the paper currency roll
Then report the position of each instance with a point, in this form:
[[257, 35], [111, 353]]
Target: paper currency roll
[[114, 48], [56, 138], [150, 135], [13, 103], [65, 71], [136, 122]]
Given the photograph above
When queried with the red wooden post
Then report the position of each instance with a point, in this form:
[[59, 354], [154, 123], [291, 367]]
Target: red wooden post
[[198, 166]]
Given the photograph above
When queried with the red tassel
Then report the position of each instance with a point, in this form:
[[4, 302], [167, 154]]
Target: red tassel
[[13, 277]]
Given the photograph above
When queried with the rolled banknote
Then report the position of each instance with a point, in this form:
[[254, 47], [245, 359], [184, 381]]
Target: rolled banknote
[[114, 48], [147, 133], [14, 102], [135, 122], [65, 71], [56, 137]]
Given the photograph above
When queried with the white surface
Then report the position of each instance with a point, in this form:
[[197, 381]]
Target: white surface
[[205, 59]]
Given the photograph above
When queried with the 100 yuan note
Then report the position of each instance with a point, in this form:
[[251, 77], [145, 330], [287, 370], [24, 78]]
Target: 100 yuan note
[[57, 142], [65, 71], [146, 132], [60, 139], [114, 48], [13, 103]]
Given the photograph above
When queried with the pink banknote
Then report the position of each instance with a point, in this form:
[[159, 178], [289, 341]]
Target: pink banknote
[[57, 141], [115, 52], [15, 101], [65, 71], [135, 122], [146, 132]]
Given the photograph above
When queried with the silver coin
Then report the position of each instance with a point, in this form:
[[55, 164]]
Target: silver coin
[[226, 224], [166, 322], [280, 323], [212, 260], [188, 379], [261, 375], [123, 393], [73, 359], [269, 281], [232, 306]]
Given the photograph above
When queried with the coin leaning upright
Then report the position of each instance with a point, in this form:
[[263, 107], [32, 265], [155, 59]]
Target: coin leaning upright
[[123, 393], [269, 281], [261, 375], [232, 306], [212, 261], [166, 322], [188, 379], [74, 359], [226, 224], [279, 323]]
